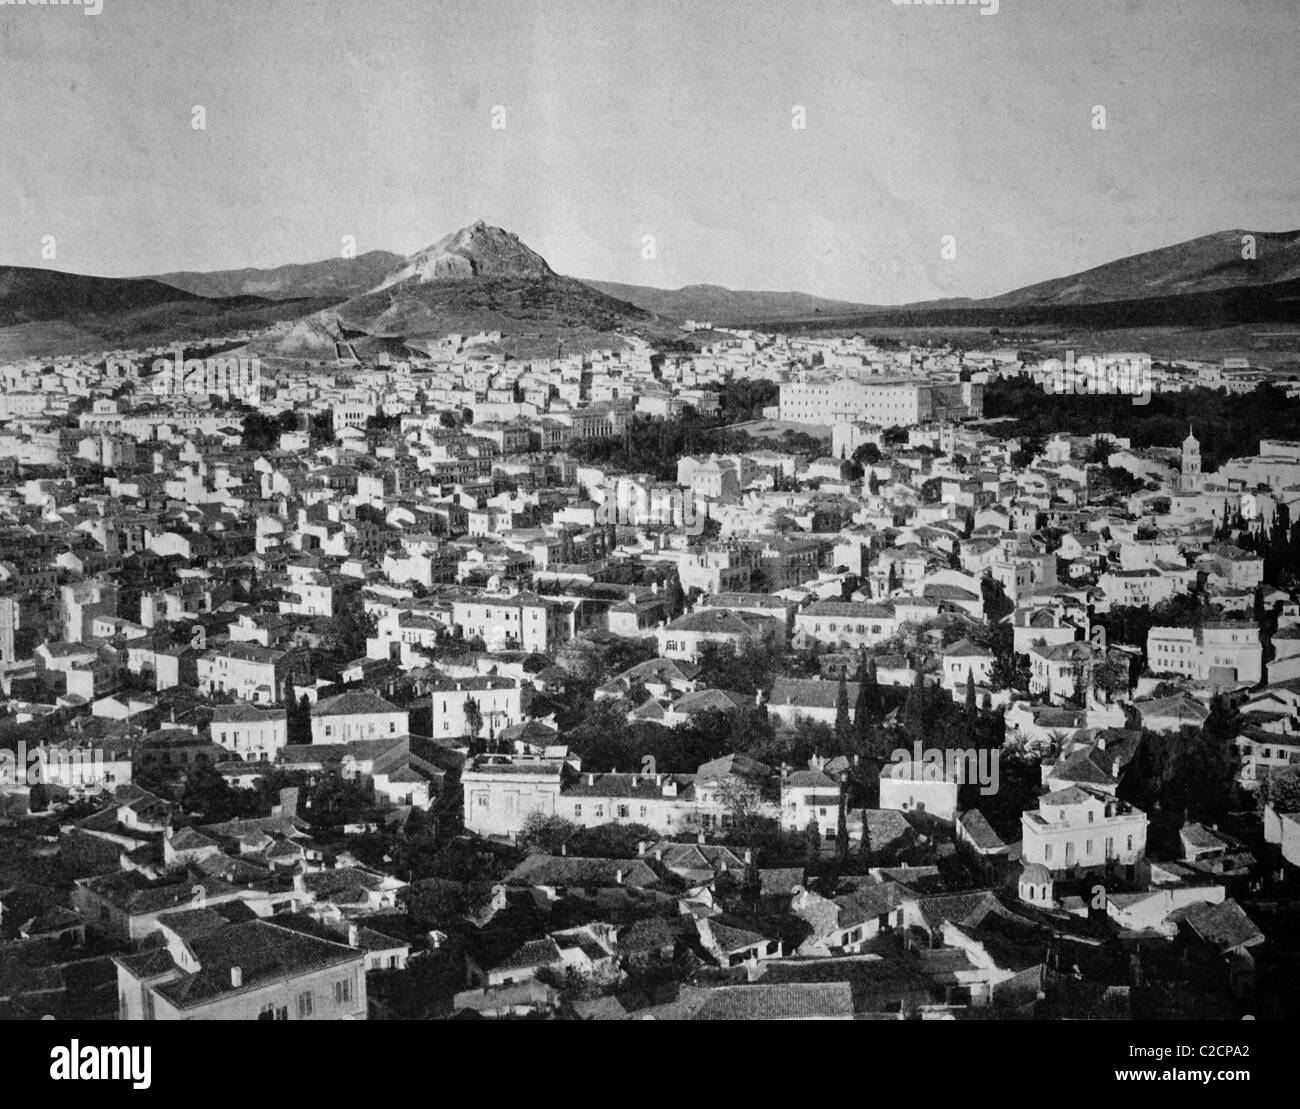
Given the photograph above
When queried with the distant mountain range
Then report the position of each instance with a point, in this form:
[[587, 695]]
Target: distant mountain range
[[334, 277], [482, 278], [716, 304]]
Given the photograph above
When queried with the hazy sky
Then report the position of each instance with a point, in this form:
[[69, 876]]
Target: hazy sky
[[372, 118]]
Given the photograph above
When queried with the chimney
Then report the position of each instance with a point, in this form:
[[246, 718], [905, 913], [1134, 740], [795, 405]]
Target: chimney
[[618, 876], [564, 849], [354, 935], [591, 779], [749, 856], [641, 848], [699, 836], [236, 977]]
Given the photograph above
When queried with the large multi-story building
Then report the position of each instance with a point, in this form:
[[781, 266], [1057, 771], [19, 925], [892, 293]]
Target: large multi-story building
[[503, 790], [357, 714], [885, 401], [499, 703], [1074, 828], [251, 672], [524, 622], [258, 970], [844, 624], [1224, 652], [249, 733]]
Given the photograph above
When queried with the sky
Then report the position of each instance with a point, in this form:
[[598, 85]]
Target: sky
[[649, 123]]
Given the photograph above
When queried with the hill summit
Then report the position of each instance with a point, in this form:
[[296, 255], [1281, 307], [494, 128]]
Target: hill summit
[[479, 250]]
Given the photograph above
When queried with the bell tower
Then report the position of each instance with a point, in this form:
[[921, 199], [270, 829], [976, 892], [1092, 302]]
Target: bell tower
[[1189, 480]]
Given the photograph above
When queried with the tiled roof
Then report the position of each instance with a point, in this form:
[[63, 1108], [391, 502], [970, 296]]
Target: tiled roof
[[264, 952], [785, 1001]]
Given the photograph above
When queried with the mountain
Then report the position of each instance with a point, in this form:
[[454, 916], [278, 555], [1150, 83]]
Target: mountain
[[477, 279], [474, 251], [718, 304], [48, 312], [1203, 282], [482, 278], [27, 295], [334, 277], [1211, 263]]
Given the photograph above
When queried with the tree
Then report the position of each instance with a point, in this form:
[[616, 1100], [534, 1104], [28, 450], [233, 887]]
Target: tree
[[1281, 790], [1008, 672], [843, 725], [970, 712], [867, 455], [868, 702], [302, 721], [996, 603], [744, 802], [842, 824], [676, 598], [544, 833], [1112, 676], [813, 840], [914, 710], [351, 627], [473, 717], [864, 844], [38, 798]]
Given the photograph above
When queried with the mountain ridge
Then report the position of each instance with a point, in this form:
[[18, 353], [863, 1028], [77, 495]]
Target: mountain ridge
[[483, 278]]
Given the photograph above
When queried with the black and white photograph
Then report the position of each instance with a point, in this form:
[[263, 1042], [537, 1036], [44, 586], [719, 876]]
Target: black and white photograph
[[650, 510]]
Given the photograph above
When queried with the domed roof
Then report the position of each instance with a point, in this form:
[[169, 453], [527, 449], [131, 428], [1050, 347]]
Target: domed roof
[[1036, 874]]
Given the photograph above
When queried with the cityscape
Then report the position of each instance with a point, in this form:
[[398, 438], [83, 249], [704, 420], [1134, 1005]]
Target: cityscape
[[428, 634]]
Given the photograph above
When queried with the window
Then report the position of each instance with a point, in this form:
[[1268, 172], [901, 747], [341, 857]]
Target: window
[[304, 1005], [1047, 851], [623, 812], [342, 991], [271, 1011], [577, 810]]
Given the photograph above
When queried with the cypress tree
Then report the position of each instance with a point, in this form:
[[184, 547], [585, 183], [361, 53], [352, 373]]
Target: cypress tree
[[843, 726]]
